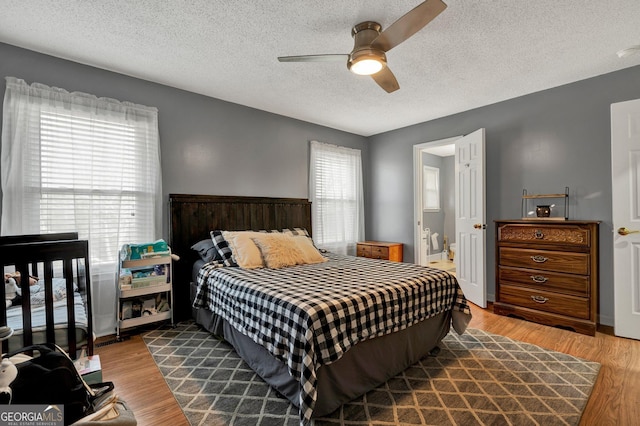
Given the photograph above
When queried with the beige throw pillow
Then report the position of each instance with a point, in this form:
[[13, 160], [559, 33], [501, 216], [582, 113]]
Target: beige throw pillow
[[279, 250], [245, 252], [309, 252]]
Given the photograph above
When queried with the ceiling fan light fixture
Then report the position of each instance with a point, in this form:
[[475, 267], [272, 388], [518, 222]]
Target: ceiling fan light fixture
[[366, 62], [366, 67], [370, 44]]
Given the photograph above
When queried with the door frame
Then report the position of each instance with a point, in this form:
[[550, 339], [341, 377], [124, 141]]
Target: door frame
[[417, 190]]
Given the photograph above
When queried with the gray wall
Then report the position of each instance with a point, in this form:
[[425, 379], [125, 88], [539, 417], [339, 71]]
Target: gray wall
[[542, 142], [208, 146]]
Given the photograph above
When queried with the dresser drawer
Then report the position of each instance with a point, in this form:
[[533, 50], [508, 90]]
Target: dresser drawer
[[543, 280], [546, 260], [363, 250], [577, 307], [522, 233]]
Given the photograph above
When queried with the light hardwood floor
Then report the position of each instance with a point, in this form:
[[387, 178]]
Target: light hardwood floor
[[615, 399], [445, 265]]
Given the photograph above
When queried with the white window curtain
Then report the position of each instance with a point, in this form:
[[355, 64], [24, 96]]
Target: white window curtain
[[75, 162], [337, 200]]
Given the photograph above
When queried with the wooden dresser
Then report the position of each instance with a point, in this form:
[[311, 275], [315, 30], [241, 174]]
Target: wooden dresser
[[547, 272], [380, 250]]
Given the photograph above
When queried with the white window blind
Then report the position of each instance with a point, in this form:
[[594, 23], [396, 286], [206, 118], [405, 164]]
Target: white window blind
[[75, 162], [431, 188], [95, 179], [335, 188]]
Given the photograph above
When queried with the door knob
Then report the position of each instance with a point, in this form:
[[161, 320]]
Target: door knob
[[624, 231], [479, 226]]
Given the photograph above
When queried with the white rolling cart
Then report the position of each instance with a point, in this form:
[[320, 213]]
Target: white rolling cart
[[144, 291]]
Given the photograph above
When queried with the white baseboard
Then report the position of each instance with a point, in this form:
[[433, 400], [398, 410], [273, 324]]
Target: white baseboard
[[435, 257]]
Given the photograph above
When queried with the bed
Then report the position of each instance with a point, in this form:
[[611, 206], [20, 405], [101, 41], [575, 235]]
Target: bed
[[58, 306], [351, 328]]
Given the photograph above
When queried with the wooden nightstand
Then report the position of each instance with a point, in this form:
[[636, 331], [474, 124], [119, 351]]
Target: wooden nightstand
[[380, 250]]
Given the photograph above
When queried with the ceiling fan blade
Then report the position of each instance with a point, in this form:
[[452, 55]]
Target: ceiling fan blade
[[408, 25], [386, 80], [315, 58]]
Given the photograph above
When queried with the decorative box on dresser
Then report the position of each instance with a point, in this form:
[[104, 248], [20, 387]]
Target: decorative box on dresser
[[380, 250], [547, 272]]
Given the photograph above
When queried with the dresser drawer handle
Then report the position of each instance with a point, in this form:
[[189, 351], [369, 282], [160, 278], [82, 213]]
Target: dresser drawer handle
[[539, 299], [539, 259], [538, 234], [539, 279]]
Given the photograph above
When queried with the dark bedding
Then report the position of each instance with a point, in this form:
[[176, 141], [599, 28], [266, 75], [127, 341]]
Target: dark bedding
[[361, 369], [309, 316]]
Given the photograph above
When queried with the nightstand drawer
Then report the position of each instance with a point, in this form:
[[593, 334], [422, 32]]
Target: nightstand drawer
[[567, 262], [577, 307], [379, 252], [542, 280], [363, 250]]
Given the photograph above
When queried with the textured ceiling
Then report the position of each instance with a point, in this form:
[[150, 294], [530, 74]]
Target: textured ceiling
[[475, 53]]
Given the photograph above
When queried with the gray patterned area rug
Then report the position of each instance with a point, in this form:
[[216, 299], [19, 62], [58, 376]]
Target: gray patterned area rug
[[478, 378]]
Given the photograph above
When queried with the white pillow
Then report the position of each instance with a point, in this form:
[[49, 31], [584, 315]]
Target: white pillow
[[310, 254], [245, 252], [279, 250]]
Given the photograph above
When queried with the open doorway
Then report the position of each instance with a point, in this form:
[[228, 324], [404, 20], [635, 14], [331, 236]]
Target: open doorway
[[435, 244], [470, 214]]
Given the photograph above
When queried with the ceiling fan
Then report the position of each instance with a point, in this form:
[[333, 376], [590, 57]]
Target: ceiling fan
[[370, 44]]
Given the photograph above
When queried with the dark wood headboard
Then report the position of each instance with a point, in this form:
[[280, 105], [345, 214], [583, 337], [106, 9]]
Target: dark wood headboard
[[194, 216]]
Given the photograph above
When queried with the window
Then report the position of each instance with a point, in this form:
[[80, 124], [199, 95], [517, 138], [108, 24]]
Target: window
[[74, 162], [337, 202], [430, 189]]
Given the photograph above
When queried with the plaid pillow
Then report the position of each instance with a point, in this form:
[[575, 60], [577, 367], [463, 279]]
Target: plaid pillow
[[295, 231], [223, 248]]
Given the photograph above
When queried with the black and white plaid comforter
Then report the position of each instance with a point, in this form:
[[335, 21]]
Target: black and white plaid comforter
[[309, 315]]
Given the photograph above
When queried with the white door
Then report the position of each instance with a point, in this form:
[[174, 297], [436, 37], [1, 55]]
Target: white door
[[625, 168], [470, 217]]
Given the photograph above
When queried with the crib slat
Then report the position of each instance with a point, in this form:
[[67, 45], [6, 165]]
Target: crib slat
[[48, 301]]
